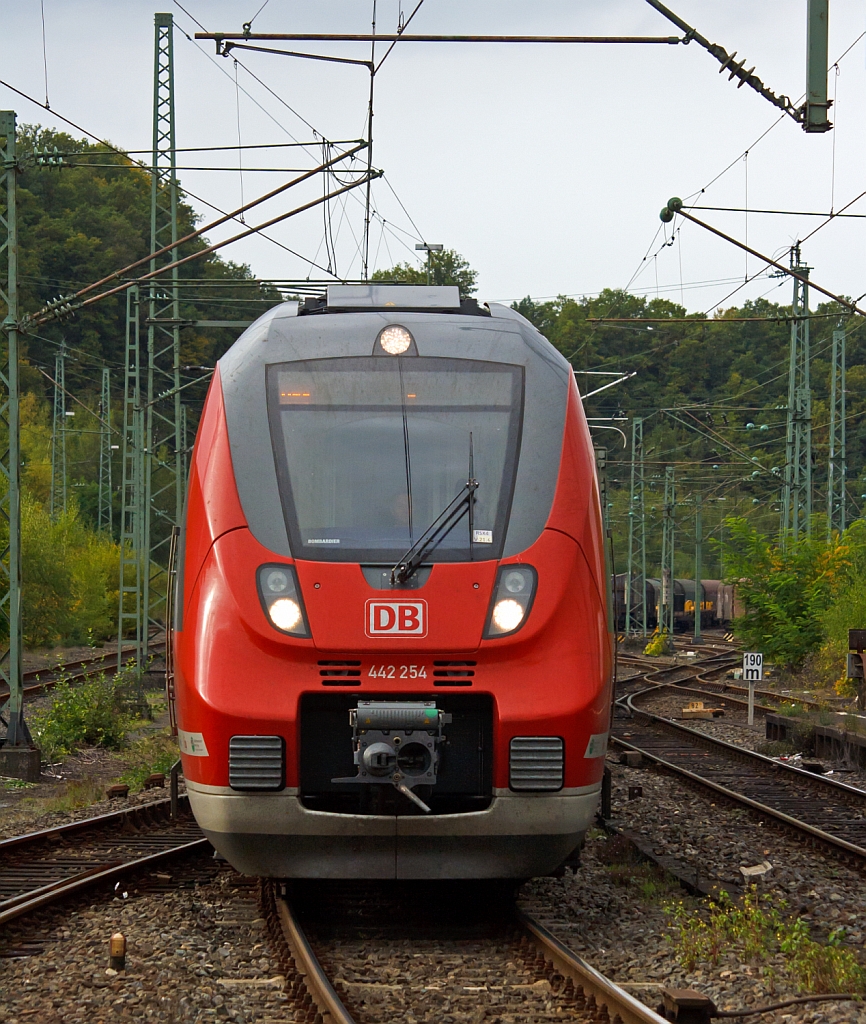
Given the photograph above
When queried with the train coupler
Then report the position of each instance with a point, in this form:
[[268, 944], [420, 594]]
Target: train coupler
[[397, 743]]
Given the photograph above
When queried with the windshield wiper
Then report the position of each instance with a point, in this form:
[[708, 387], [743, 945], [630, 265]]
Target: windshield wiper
[[453, 512]]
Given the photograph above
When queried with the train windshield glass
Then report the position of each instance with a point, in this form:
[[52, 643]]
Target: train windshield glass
[[370, 450]]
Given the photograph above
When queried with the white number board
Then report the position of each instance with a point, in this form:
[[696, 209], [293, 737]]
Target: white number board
[[753, 667]]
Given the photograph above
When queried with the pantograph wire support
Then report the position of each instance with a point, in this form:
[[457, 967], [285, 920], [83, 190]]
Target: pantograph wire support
[[104, 511], [812, 115], [666, 601], [163, 481]]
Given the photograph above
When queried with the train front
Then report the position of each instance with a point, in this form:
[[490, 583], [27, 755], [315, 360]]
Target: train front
[[391, 638]]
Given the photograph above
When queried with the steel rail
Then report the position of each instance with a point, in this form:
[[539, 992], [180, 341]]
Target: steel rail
[[698, 692], [35, 683], [594, 986], [748, 755], [324, 995], [620, 1005], [84, 880], [840, 845], [727, 690], [850, 793], [121, 817]]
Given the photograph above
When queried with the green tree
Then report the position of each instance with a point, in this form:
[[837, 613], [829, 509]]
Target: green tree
[[447, 267], [786, 589]]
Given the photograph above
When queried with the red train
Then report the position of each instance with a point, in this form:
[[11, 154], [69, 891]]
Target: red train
[[391, 649]]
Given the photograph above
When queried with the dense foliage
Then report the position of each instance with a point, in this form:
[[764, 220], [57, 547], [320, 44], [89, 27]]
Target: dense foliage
[[787, 589], [81, 223], [76, 225], [713, 393], [70, 578], [95, 713], [446, 267]]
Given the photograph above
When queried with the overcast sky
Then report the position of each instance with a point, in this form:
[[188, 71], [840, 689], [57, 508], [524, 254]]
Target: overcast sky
[[544, 166]]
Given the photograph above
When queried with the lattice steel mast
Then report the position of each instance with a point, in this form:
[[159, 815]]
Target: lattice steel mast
[[58, 493], [133, 553], [104, 511], [17, 756], [164, 479], [635, 579], [797, 492], [837, 468], [666, 611]]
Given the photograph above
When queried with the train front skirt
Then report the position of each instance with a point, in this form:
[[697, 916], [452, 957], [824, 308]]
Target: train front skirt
[[516, 836]]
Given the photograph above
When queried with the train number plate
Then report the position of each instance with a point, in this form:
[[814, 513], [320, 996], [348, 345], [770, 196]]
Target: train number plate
[[397, 672], [396, 618]]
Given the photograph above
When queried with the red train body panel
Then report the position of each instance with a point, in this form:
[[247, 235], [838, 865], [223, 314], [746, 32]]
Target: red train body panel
[[244, 685]]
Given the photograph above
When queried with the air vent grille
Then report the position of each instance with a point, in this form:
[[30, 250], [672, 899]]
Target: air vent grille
[[340, 673], [256, 762], [536, 762], [453, 673]]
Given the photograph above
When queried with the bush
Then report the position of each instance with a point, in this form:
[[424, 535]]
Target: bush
[[757, 929], [658, 645], [70, 578], [92, 713], [787, 588], [155, 753]]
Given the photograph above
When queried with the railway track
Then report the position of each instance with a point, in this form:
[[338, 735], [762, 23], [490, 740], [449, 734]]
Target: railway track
[[38, 680], [703, 672], [366, 954], [828, 812], [44, 867]]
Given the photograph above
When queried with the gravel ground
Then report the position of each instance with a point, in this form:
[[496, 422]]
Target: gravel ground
[[196, 954], [19, 816], [615, 917]]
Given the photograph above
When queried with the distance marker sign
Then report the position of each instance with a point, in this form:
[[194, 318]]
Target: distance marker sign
[[753, 667]]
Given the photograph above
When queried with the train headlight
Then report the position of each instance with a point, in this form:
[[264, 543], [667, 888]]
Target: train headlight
[[395, 340], [285, 614], [281, 599], [507, 615], [512, 599]]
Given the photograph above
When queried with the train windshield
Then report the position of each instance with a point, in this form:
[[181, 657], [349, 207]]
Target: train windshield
[[370, 450]]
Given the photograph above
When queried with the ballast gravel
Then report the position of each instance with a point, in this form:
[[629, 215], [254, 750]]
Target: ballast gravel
[[196, 954], [616, 923]]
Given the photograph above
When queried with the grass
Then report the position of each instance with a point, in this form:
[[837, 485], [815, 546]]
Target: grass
[[8, 783], [154, 753], [79, 793], [758, 929]]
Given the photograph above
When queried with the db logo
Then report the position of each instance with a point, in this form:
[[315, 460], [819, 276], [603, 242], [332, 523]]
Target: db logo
[[396, 618]]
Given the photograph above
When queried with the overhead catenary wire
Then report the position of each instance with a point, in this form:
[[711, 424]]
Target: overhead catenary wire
[[48, 316], [771, 262], [44, 53], [145, 167], [209, 227], [390, 226]]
